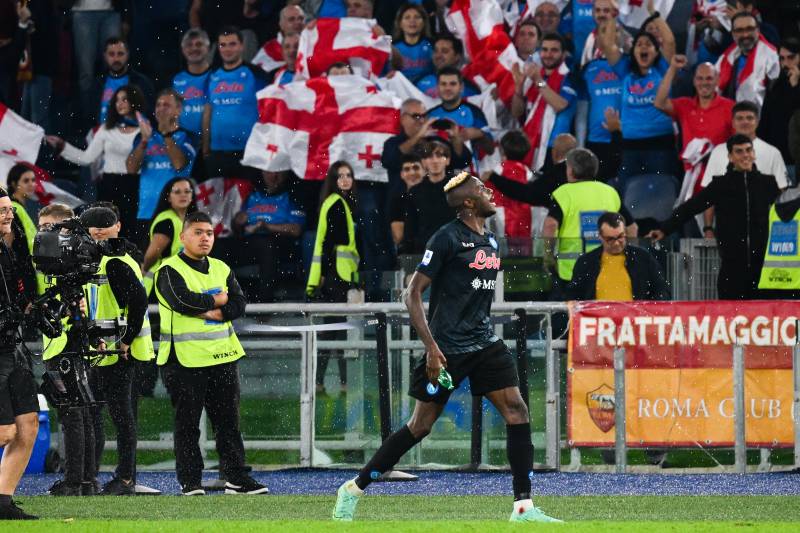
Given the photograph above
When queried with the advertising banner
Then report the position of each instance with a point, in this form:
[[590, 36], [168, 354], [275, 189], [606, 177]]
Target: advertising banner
[[679, 377]]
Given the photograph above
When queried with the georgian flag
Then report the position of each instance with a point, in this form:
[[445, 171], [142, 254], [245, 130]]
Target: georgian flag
[[349, 40], [480, 24], [475, 21], [270, 56], [493, 66], [19, 141], [19, 144], [305, 126], [221, 199], [402, 88], [633, 13], [47, 192]]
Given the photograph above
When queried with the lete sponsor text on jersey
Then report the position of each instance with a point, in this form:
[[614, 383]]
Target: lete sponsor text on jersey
[[483, 261]]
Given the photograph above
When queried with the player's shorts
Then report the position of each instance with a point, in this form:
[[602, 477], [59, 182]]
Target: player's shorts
[[493, 368], [17, 392]]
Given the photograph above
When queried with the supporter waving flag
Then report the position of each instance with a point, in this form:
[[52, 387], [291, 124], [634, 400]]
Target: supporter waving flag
[[305, 126], [475, 21], [542, 117], [270, 56], [349, 40], [493, 66], [479, 23]]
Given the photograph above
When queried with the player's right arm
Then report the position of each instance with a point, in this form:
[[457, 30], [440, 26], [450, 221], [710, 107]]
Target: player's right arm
[[434, 358], [438, 253]]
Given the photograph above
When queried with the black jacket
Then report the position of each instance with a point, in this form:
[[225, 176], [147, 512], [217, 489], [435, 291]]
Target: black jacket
[[741, 203], [536, 192], [780, 102], [647, 280]]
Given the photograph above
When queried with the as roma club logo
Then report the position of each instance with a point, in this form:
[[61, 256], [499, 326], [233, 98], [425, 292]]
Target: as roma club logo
[[600, 403]]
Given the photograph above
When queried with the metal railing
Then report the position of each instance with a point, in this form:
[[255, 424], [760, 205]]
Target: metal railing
[[309, 346], [369, 315]]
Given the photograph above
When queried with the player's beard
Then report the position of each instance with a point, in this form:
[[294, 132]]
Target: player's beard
[[487, 210]]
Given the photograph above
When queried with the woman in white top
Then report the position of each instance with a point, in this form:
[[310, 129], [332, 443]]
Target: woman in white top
[[112, 142]]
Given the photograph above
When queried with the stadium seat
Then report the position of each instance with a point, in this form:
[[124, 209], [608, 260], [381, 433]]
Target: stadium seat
[[650, 196]]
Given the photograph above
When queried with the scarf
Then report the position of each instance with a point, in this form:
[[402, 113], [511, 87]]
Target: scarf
[[542, 117], [762, 64]]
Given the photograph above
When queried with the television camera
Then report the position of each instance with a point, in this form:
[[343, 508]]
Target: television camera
[[67, 255]]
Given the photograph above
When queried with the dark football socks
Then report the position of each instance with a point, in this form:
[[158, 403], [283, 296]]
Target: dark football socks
[[387, 456], [520, 456]]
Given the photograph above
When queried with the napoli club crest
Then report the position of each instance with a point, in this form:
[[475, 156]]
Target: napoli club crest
[[493, 242]]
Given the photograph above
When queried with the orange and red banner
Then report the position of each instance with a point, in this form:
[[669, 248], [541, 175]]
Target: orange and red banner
[[679, 377]]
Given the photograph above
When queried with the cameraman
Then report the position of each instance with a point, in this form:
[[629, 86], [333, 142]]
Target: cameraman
[[19, 405], [198, 296], [123, 296], [80, 463]]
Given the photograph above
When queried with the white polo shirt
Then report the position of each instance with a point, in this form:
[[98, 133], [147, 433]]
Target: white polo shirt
[[768, 161]]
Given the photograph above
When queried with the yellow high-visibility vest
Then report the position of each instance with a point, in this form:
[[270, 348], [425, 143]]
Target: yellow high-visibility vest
[[781, 268], [581, 203], [198, 342], [175, 246], [103, 306], [347, 257]]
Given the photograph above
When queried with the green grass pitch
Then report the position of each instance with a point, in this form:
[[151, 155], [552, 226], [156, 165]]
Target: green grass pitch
[[248, 514]]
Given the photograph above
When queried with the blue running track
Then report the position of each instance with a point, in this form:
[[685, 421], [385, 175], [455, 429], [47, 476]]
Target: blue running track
[[440, 483]]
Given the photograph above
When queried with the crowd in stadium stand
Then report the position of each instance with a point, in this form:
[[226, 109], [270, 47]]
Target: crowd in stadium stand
[[168, 94]]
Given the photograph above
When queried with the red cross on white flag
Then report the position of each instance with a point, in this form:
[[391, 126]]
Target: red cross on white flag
[[305, 126], [349, 40], [19, 141], [270, 56], [222, 198], [368, 157], [480, 24]]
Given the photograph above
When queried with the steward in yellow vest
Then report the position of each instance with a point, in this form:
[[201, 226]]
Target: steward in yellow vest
[[174, 244], [780, 275], [21, 182], [122, 295], [28, 233], [198, 297], [576, 206], [334, 265], [330, 258], [177, 199]]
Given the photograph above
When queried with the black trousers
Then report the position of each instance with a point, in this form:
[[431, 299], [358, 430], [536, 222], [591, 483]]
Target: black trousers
[[115, 385], [268, 251], [77, 426], [737, 281], [333, 290], [215, 388]]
